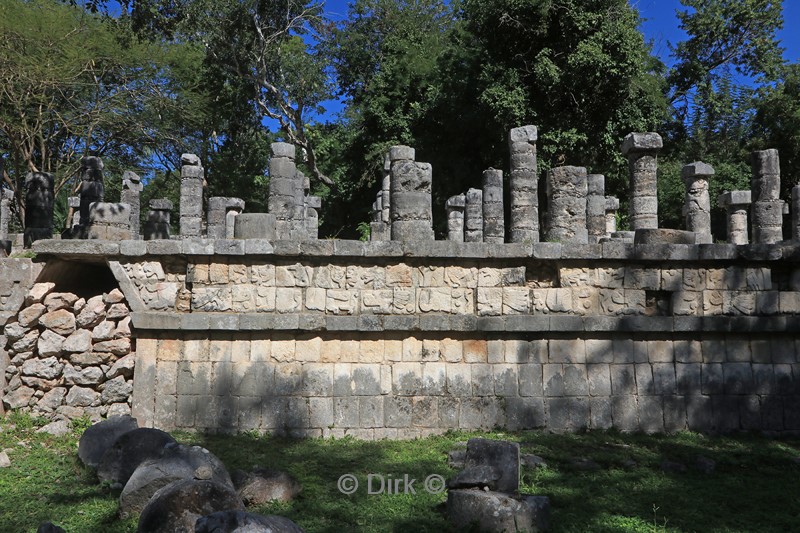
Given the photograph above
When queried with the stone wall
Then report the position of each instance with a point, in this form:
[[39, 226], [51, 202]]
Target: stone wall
[[391, 339], [69, 356]]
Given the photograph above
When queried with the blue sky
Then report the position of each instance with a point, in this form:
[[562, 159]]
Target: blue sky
[[661, 25]]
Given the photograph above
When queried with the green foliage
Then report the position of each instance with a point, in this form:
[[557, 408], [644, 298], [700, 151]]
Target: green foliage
[[777, 124]]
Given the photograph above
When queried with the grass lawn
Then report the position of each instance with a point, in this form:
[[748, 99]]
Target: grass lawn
[[754, 487]]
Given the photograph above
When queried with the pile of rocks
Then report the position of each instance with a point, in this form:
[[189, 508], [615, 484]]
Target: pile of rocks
[[70, 356], [175, 487], [486, 492]]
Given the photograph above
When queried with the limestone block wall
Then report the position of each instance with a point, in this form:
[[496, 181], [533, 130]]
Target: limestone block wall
[[390, 339]]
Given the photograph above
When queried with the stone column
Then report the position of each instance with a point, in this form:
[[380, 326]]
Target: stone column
[[158, 220], [301, 187], [191, 209], [6, 196], [386, 187], [455, 217], [131, 188], [39, 197], [313, 204], [611, 208], [767, 208], [282, 188], [74, 204], [221, 212], [697, 206], [596, 207], [524, 185], [109, 221], [473, 216], [641, 150], [379, 230], [493, 217], [410, 210], [92, 188], [796, 213], [566, 216], [736, 203]]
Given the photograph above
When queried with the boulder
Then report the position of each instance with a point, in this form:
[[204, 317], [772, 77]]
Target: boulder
[[29, 316], [89, 358], [122, 367], [50, 343], [17, 398], [130, 450], [177, 462], [263, 485], [481, 476], [49, 527], [48, 368], [53, 399], [79, 341], [116, 347], [27, 343], [82, 397], [60, 300], [119, 409], [59, 428], [242, 522], [61, 321], [123, 328], [91, 375], [456, 458], [5, 462], [38, 292], [92, 313], [104, 331], [116, 390], [497, 512], [502, 455], [14, 331], [177, 507], [118, 311], [113, 297]]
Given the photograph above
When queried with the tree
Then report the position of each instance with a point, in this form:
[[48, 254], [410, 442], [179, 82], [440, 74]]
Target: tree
[[454, 80], [72, 83]]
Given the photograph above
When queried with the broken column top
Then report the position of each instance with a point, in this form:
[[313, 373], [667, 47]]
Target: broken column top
[[160, 204], [73, 201], [596, 184], [698, 168], [456, 201], [734, 198], [524, 134], [6, 194], [190, 160], [400, 153], [766, 162], [225, 202], [283, 150], [131, 181], [641, 142], [612, 203]]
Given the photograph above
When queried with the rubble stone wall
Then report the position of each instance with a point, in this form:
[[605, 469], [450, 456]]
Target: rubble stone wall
[[390, 339]]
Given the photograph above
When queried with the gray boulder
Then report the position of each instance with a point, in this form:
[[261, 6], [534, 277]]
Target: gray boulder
[[129, 451], [242, 522], [497, 512], [263, 485], [177, 507], [482, 476], [97, 439], [49, 527], [177, 462], [501, 455]]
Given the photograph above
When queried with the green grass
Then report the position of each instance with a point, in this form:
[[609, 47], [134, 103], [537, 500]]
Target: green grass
[[754, 486]]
